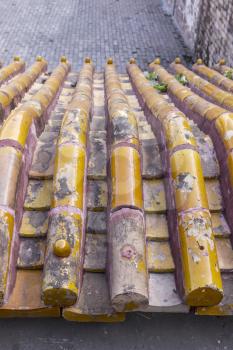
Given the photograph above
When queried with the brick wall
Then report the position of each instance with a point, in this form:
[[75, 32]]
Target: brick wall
[[206, 26]]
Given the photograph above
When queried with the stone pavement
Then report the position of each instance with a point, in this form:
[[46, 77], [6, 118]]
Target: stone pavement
[[98, 28], [155, 332]]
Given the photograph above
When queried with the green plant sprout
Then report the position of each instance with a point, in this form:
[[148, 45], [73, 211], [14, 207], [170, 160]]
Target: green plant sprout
[[161, 87], [154, 79], [151, 76], [229, 74], [181, 78]]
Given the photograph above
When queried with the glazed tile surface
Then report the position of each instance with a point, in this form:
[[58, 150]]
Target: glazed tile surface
[[115, 197]]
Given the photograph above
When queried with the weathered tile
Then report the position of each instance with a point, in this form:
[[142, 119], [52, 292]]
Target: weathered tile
[[127, 266], [39, 195], [68, 180], [225, 307], [139, 114], [209, 161], [34, 224], [49, 136], [52, 128], [126, 85], [95, 252], [199, 259], [145, 135], [99, 110], [64, 98], [98, 123], [144, 128], [124, 128], [11, 158], [187, 181], [99, 98], [60, 108], [93, 304], [156, 227], [154, 196], [214, 195], [163, 296], [220, 226], [96, 222], [31, 253], [6, 234], [159, 257], [25, 300], [56, 116], [54, 122], [97, 164], [67, 91], [97, 135], [225, 254], [43, 161], [151, 162], [62, 262], [96, 195]]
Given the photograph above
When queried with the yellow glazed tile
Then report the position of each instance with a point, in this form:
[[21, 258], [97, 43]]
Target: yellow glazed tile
[[225, 254], [34, 224], [97, 194], [188, 181], [16, 127], [43, 161], [224, 125], [228, 102], [4, 98], [156, 227], [11, 70], [214, 194], [10, 159], [61, 274], [126, 178], [230, 166], [124, 126], [25, 300], [219, 225], [95, 252], [31, 253], [154, 196], [214, 112], [225, 307], [202, 279], [159, 257], [178, 132], [6, 230], [39, 195], [68, 180], [74, 127]]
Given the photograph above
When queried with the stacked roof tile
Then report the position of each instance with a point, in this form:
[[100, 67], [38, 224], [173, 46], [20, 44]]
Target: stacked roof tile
[[115, 197]]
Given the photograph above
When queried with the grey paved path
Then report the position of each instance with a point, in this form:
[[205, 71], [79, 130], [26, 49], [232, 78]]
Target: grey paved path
[[158, 332], [98, 28]]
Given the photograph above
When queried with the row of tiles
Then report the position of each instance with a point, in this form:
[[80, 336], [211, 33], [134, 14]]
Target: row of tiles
[[215, 208]]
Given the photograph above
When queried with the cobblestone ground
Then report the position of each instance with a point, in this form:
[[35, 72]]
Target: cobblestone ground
[[97, 28]]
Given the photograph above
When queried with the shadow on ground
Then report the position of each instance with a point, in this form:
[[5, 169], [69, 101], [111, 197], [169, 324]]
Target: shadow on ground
[[140, 331]]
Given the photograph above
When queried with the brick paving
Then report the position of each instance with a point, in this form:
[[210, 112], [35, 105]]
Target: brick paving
[[98, 28]]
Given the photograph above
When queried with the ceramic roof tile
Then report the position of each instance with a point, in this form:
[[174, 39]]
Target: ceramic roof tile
[[115, 197]]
